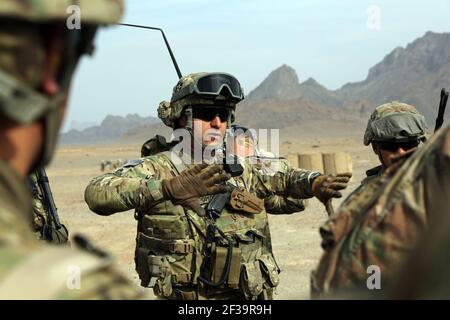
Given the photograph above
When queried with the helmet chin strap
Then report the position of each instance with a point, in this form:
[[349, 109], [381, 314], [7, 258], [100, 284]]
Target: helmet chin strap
[[190, 126]]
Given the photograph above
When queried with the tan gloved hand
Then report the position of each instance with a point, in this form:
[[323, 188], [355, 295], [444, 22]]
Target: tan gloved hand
[[326, 187], [201, 180]]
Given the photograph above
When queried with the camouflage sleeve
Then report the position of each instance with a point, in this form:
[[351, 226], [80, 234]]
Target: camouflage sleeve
[[39, 214], [134, 185], [60, 273], [105, 284], [282, 205], [289, 182]]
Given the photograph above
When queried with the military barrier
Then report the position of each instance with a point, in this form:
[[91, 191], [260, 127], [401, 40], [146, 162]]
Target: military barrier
[[327, 163]]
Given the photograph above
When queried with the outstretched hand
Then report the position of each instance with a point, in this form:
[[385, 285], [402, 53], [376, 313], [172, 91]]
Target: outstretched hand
[[326, 187], [198, 181]]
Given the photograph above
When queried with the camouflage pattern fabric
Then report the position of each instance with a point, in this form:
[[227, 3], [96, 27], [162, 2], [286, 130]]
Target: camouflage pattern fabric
[[266, 165], [170, 239], [276, 204], [28, 266], [39, 213], [424, 274], [381, 223], [395, 121], [371, 174], [32, 269]]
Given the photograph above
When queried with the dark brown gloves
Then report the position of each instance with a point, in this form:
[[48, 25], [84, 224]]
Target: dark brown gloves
[[201, 180], [326, 187]]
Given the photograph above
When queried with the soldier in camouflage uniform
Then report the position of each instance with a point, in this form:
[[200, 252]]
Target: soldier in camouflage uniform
[[38, 55], [380, 222], [393, 140], [187, 248]]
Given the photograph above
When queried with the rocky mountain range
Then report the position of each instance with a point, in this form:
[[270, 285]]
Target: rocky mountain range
[[110, 129], [414, 74]]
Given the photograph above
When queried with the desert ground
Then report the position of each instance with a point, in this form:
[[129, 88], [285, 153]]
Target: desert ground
[[296, 241]]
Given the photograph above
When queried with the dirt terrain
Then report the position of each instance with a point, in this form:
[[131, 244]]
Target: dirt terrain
[[296, 241]]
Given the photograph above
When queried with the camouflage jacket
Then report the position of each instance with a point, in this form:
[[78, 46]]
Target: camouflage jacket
[[372, 174], [31, 269], [170, 239], [380, 223], [266, 165], [276, 204], [424, 274]]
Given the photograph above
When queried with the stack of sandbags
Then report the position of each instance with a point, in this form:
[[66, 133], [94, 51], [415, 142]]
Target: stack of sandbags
[[327, 163]]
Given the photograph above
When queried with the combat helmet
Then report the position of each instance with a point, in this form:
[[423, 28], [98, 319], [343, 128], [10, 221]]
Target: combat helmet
[[20, 98], [395, 121], [199, 90]]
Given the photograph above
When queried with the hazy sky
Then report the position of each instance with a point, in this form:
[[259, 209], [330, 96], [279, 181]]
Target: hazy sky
[[332, 41]]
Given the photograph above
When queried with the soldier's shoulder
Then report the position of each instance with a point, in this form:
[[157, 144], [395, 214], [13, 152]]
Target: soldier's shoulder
[[155, 145], [155, 160], [41, 271], [372, 174]]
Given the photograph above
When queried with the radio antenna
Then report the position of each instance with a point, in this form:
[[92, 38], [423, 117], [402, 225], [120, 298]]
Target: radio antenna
[[175, 64]]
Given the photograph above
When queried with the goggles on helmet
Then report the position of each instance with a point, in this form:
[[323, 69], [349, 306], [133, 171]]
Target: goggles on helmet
[[212, 85]]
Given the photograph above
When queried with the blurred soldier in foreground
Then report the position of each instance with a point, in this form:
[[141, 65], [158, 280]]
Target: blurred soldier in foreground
[[201, 233], [380, 222], [38, 55], [424, 274]]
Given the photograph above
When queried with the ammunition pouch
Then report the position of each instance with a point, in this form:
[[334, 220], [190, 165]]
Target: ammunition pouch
[[259, 277], [221, 265], [165, 257], [218, 263], [251, 272], [164, 264]]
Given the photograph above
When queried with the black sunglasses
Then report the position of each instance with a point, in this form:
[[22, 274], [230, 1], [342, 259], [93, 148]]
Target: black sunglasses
[[394, 146], [210, 113]]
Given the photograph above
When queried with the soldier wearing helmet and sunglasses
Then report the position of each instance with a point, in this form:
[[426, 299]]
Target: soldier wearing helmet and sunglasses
[[38, 56], [380, 222], [201, 233], [393, 129]]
